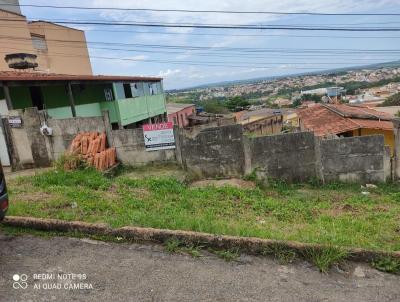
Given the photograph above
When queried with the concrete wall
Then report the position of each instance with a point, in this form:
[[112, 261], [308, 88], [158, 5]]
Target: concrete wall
[[288, 156], [28, 145], [129, 144], [64, 131], [215, 152], [353, 159], [212, 152]]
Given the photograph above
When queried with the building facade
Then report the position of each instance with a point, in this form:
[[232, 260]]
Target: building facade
[[59, 49], [131, 101], [179, 114]]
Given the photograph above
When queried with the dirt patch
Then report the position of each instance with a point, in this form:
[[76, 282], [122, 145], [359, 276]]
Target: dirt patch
[[340, 210], [33, 196], [157, 171], [233, 182]]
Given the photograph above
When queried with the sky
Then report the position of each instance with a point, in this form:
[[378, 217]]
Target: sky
[[169, 53]]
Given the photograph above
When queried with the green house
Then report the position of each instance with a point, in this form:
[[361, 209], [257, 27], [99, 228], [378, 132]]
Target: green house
[[131, 101]]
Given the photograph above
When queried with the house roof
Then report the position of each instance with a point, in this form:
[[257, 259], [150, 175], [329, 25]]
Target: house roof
[[176, 107], [38, 76], [334, 119]]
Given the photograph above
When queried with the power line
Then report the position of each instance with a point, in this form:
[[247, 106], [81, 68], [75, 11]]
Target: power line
[[204, 11], [284, 65], [222, 34], [211, 26]]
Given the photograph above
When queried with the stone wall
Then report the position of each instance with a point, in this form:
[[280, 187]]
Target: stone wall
[[353, 159], [212, 152], [288, 156]]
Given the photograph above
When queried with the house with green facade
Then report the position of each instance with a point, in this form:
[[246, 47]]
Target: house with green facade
[[131, 101]]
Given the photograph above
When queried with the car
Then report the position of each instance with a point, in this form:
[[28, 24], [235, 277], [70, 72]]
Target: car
[[3, 194]]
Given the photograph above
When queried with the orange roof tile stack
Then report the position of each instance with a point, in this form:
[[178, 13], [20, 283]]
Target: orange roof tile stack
[[91, 146]]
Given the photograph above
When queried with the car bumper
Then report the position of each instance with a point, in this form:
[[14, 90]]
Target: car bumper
[[3, 206]]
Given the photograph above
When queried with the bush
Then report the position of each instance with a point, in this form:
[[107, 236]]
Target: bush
[[69, 161]]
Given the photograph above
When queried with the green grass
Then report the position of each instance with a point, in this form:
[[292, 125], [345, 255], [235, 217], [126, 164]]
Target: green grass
[[335, 214], [227, 255], [387, 264], [325, 258]]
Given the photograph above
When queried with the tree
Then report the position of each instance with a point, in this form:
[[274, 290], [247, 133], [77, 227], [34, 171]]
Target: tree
[[311, 97], [236, 102], [393, 100]]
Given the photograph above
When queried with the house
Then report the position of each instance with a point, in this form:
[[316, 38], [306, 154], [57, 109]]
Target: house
[[179, 113], [59, 49], [131, 101], [261, 122], [330, 120]]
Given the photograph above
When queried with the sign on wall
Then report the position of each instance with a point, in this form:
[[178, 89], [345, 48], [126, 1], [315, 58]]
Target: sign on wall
[[159, 136], [15, 121]]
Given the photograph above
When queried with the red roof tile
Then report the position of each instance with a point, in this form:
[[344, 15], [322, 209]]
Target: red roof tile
[[39, 76], [324, 120]]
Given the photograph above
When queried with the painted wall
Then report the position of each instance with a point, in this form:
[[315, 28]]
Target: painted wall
[[133, 110], [14, 36], [180, 118], [388, 135], [15, 8], [75, 55], [21, 97]]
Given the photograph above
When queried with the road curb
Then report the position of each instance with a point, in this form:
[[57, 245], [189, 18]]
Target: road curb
[[249, 245]]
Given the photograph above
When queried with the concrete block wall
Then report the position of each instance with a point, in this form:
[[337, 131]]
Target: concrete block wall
[[354, 159], [287, 156], [212, 152]]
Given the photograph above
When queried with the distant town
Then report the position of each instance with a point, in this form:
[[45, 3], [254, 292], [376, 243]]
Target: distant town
[[370, 85]]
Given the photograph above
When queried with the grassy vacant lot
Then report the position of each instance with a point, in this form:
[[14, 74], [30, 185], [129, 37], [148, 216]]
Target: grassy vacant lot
[[332, 214]]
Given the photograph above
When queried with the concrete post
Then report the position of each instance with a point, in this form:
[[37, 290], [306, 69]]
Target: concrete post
[[107, 126], [396, 159], [71, 99], [7, 96]]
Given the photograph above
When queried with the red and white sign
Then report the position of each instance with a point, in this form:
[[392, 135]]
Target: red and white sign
[[159, 136]]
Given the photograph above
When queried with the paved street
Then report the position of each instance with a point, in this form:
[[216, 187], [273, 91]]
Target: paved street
[[66, 269]]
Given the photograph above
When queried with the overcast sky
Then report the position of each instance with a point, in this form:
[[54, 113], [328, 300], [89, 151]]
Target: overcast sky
[[230, 65]]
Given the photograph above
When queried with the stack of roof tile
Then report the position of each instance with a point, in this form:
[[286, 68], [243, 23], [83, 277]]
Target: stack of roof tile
[[91, 146]]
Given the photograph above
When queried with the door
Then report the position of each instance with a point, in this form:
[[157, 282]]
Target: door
[[36, 96]]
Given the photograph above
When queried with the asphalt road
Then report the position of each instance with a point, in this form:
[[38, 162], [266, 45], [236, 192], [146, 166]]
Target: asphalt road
[[66, 269]]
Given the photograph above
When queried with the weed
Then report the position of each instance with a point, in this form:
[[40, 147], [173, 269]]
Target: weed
[[193, 251], [387, 264], [227, 255], [325, 257], [282, 253], [69, 162], [173, 245], [252, 176]]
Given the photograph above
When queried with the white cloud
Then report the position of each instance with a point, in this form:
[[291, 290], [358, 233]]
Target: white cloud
[[330, 6], [169, 72]]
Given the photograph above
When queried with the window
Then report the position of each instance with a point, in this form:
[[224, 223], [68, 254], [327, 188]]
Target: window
[[108, 94], [174, 120], [137, 89], [39, 42], [128, 91]]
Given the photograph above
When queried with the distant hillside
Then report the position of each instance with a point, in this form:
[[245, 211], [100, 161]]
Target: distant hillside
[[392, 64]]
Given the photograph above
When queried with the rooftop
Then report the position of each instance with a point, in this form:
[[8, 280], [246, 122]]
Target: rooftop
[[176, 107], [325, 119], [39, 76]]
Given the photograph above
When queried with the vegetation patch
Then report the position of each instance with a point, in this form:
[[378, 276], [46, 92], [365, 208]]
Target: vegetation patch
[[325, 257], [387, 264], [336, 214]]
